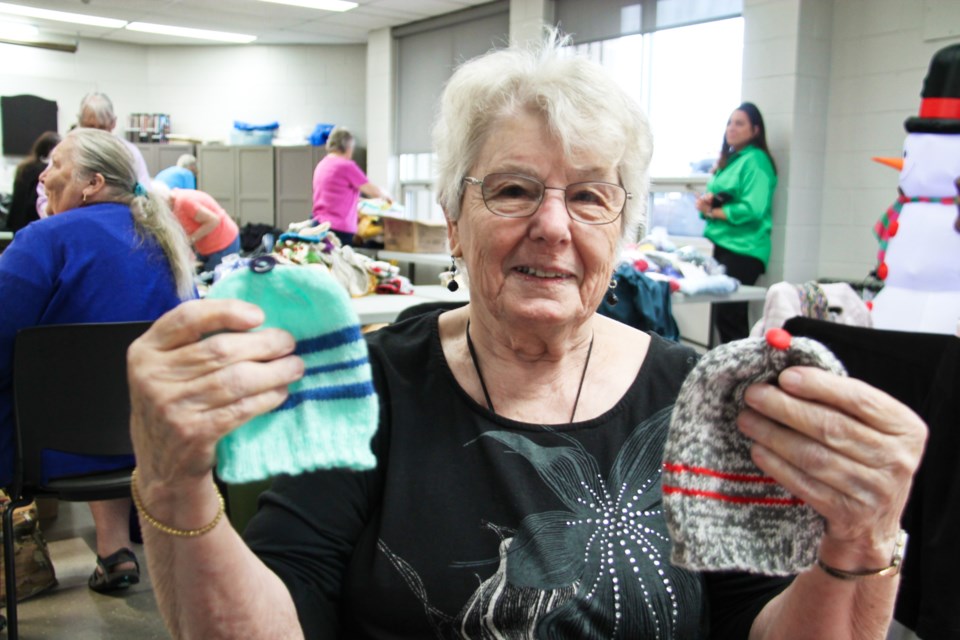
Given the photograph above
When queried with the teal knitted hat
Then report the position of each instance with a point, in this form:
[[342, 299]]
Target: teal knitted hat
[[331, 413]]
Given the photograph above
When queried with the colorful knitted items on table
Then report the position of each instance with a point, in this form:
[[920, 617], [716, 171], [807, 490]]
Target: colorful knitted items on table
[[723, 512], [887, 226], [813, 301], [332, 412]]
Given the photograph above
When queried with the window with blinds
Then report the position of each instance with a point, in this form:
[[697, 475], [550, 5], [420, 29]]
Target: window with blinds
[[427, 53]]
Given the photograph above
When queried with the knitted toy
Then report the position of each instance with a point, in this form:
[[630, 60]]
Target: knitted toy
[[722, 511], [332, 412]]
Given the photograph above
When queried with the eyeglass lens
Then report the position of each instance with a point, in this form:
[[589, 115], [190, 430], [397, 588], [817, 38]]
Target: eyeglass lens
[[516, 196]]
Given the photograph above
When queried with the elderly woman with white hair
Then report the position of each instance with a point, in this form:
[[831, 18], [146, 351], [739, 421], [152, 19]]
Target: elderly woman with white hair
[[109, 252], [96, 112], [543, 166]]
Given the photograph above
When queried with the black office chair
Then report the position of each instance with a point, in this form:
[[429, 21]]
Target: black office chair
[[70, 395]]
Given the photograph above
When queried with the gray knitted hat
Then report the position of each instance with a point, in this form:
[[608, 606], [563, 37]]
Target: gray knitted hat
[[723, 512]]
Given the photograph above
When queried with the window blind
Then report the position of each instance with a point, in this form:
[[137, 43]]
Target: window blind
[[427, 53], [606, 19]]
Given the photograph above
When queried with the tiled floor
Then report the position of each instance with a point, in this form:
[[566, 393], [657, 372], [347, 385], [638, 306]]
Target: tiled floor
[[72, 610]]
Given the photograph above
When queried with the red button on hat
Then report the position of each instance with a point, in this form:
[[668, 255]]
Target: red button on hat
[[779, 339]]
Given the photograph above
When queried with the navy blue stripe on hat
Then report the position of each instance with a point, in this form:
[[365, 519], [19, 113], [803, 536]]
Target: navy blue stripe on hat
[[339, 392], [336, 366], [329, 340]]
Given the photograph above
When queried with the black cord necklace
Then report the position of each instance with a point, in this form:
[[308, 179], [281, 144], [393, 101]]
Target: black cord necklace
[[483, 385]]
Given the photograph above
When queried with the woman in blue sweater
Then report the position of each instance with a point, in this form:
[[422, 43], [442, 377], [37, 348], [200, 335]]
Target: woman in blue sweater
[[109, 252]]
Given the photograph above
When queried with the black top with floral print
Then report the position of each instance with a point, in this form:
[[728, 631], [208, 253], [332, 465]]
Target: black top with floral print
[[477, 526]]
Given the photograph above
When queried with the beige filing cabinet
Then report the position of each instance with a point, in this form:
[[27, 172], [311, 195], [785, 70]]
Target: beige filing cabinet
[[241, 179], [159, 156], [294, 182]]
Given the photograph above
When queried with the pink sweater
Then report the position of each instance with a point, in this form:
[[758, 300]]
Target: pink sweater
[[336, 190]]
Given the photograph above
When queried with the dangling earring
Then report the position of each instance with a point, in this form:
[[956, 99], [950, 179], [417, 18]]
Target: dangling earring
[[84, 199], [612, 298], [449, 278]]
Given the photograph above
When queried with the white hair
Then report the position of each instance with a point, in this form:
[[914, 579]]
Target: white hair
[[100, 106], [187, 161], [581, 105]]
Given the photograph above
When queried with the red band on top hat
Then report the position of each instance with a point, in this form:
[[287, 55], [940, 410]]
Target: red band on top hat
[[940, 108]]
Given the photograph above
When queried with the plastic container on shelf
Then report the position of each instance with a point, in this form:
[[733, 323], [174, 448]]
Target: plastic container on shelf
[[251, 137], [253, 134]]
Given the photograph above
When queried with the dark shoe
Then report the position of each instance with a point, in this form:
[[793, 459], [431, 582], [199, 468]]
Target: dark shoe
[[106, 577]]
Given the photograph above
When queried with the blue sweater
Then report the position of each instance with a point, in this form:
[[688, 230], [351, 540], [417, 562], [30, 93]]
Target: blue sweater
[[83, 265], [177, 178]]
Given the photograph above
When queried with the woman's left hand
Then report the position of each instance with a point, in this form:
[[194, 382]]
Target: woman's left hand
[[847, 449], [704, 203]]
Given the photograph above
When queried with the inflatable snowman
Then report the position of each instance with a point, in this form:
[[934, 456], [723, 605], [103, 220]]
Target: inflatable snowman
[[919, 258]]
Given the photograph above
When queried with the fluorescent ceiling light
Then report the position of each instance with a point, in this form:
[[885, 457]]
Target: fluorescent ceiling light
[[323, 5], [184, 32], [18, 31], [60, 16]]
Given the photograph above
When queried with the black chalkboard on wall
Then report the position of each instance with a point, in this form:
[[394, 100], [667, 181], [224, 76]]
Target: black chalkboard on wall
[[24, 118]]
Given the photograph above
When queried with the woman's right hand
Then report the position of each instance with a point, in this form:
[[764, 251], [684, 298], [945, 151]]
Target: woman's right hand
[[195, 375]]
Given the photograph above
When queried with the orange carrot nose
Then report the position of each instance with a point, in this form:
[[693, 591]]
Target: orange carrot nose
[[896, 163]]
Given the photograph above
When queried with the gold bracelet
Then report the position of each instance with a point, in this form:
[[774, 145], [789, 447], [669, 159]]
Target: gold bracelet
[[159, 526], [888, 571]]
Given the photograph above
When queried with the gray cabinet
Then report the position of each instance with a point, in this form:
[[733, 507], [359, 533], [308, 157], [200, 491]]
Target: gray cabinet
[[294, 182], [160, 156], [241, 179]]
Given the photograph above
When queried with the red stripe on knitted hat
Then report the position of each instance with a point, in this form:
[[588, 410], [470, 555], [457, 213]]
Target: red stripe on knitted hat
[[728, 498], [703, 471], [940, 108]]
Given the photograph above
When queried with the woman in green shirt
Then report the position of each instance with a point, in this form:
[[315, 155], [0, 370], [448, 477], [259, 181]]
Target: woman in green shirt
[[737, 206]]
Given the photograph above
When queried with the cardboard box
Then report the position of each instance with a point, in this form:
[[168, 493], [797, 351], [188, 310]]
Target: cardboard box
[[413, 236]]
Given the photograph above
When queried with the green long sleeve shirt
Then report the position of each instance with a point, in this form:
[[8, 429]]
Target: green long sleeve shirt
[[750, 180]]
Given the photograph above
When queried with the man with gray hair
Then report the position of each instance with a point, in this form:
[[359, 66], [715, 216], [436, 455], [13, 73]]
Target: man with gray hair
[[96, 112], [181, 176]]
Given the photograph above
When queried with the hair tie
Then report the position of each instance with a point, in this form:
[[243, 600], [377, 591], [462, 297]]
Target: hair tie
[[139, 190]]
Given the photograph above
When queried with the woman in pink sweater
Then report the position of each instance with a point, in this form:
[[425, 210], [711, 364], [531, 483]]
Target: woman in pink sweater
[[337, 185]]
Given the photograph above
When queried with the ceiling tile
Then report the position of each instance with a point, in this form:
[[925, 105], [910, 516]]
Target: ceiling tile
[[271, 23]]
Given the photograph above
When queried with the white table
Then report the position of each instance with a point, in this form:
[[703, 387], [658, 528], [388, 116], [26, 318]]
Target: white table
[[431, 259], [386, 308], [745, 293]]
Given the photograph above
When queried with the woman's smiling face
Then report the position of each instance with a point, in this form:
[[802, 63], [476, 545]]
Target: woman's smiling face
[[545, 268]]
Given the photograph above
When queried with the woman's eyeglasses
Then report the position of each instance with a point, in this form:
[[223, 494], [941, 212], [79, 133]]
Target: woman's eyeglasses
[[512, 195]]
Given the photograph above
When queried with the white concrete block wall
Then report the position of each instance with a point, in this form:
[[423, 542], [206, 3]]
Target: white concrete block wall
[[115, 69], [380, 114], [204, 89], [786, 72], [879, 59], [769, 81]]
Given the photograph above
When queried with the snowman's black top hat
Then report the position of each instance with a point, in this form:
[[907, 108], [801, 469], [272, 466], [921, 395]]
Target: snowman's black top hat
[[940, 107]]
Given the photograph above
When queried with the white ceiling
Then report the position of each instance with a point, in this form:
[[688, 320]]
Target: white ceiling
[[271, 23]]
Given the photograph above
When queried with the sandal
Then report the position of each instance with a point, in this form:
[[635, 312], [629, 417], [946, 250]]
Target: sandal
[[106, 578]]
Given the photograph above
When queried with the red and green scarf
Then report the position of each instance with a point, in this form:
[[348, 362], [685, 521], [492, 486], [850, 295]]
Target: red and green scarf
[[888, 225]]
